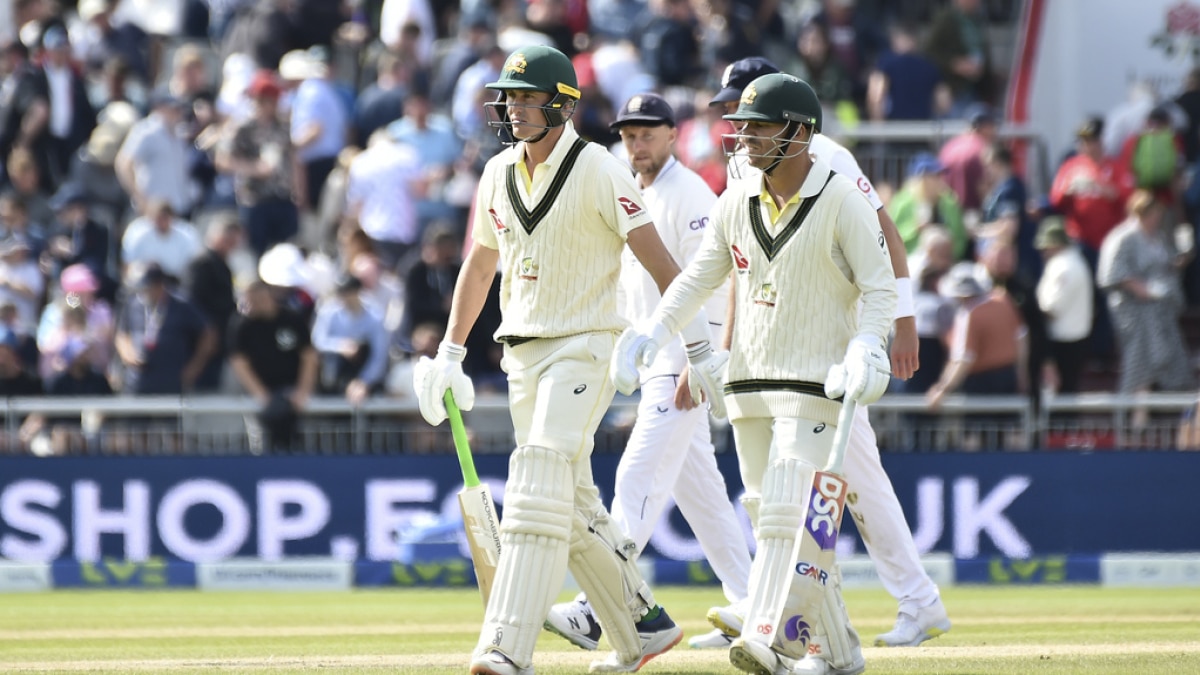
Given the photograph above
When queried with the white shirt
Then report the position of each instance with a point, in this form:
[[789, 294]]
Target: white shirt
[[395, 13], [379, 187], [679, 202], [173, 251], [61, 105], [1065, 295]]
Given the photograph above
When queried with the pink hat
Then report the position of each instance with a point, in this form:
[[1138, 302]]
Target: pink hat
[[79, 279]]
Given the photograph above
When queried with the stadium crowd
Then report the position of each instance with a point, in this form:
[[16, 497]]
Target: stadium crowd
[[273, 198]]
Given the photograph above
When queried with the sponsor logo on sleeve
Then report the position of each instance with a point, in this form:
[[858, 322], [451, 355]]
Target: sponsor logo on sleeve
[[631, 207], [865, 185]]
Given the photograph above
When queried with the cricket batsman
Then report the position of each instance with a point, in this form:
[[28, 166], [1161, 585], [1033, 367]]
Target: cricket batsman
[[804, 247], [555, 212]]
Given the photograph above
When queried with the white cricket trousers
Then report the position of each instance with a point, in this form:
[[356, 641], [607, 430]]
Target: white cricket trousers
[[670, 454], [880, 520]]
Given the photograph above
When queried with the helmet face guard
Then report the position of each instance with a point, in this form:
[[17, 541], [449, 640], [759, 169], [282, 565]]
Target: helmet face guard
[[776, 147], [557, 112]]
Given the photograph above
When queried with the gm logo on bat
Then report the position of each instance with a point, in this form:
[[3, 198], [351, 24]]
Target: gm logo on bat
[[825, 509]]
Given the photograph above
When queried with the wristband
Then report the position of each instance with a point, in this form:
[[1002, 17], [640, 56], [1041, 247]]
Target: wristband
[[452, 352], [699, 349], [904, 303]]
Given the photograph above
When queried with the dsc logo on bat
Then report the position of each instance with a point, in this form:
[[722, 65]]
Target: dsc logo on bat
[[825, 509]]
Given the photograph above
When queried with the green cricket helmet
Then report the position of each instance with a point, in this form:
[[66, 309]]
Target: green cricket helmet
[[780, 98], [775, 98], [535, 68]]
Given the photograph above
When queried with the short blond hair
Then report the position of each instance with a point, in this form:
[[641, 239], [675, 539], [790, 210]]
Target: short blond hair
[[1140, 202]]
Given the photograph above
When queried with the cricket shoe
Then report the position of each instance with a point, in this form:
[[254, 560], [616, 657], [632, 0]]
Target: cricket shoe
[[757, 658], [658, 635], [911, 631], [728, 619], [576, 622], [495, 663], [713, 639]]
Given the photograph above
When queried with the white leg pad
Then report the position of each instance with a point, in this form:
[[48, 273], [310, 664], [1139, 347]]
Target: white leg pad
[[838, 641], [534, 536], [604, 562], [786, 487]]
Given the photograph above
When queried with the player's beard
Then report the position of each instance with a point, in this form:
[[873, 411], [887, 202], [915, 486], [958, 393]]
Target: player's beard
[[650, 166]]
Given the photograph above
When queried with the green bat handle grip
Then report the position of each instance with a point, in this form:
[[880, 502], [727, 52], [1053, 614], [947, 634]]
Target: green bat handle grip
[[459, 430]]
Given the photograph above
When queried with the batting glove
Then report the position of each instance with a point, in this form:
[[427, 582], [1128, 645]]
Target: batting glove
[[432, 377], [707, 376], [635, 349], [863, 375]]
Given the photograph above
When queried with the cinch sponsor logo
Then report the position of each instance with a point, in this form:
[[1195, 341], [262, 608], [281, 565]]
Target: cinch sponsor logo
[[825, 509]]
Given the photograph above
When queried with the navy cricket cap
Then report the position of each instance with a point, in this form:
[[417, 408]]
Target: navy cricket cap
[[739, 74], [645, 110]]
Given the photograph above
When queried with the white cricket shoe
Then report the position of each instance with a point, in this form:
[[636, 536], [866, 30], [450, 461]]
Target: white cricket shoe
[[657, 635], [757, 658], [495, 663], [728, 619], [911, 631], [576, 622], [713, 639]]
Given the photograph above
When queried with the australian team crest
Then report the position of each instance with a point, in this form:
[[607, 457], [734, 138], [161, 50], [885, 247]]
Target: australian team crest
[[749, 94], [516, 63], [528, 270], [766, 295]]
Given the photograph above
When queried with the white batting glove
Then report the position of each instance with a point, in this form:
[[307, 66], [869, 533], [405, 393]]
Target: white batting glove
[[863, 375], [635, 349], [432, 377], [707, 376]]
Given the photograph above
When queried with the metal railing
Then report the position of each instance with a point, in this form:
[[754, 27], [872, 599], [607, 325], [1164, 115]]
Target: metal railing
[[903, 423]]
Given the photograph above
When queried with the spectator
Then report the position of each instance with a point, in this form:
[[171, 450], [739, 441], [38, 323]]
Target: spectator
[[209, 285], [274, 361], [18, 100], [15, 223], [438, 149], [429, 284], [999, 265], [396, 14], [352, 344], [905, 85], [963, 157], [78, 286], [470, 94], [23, 177], [986, 343], [382, 102], [471, 43], [61, 118], [1064, 294], [958, 43], [817, 66], [935, 251], [1004, 214], [161, 239], [190, 78], [855, 39], [259, 154], [26, 345], [103, 37], [163, 341], [1189, 101], [1139, 271], [261, 30], [667, 42], [1087, 190], [152, 163], [73, 375], [291, 279], [1152, 159], [94, 171], [925, 200], [17, 381], [934, 318], [382, 191], [77, 239], [1127, 118], [21, 282], [319, 121]]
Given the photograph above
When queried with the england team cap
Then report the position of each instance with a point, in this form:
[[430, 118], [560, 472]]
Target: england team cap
[[645, 110], [739, 74]]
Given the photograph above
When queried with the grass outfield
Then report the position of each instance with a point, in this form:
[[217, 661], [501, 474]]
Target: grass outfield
[[996, 630]]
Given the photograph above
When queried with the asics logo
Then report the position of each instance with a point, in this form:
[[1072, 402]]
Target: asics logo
[[580, 389]]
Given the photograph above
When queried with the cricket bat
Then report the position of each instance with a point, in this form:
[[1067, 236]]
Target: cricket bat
[[814, 555], [478, 510]]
